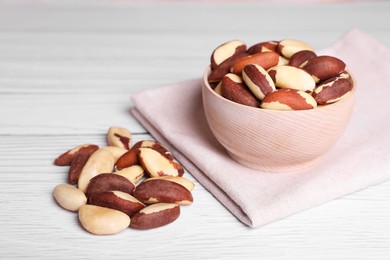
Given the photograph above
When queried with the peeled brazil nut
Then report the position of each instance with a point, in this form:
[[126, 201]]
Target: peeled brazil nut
[[107, 182], [263, 47], [225, 51], [156, 164], [289, 47], [324, 67], [158, 190], [66, 158], [288, 99], [69, 197], [115, 151], [292, 78], [332, 90], [258, 80], [100, 161], [133, 173], [299, 59], [103, 221], [233, 88], [119, 137], [156, 215], [263, 59], [118, 200]]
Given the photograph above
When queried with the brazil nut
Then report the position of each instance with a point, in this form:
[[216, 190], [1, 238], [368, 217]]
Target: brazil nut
[[258, 80]]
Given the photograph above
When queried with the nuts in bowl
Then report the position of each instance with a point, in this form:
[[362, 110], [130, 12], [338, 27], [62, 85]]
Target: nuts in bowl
[[276, 106]]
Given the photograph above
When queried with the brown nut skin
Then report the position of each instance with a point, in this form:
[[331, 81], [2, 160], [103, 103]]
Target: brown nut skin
[[257, 80], [299, 59], [332, 90], [233, 88], [221, 70], [107, 182], [262, 47], [324, 67], [79, 162], [263, 59], [131, 158], [158, 191], [66, 158], [288, 99], [154, 216], [225, 51], [116, 200]]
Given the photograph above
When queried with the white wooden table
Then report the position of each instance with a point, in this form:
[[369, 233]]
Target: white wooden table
[[67, 69]]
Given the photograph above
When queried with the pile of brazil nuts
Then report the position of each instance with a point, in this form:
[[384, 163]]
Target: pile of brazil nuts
[[278, 75], [122, 185]]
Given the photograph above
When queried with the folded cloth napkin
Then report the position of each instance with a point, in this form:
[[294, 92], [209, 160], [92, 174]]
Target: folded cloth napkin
[[174, 116]]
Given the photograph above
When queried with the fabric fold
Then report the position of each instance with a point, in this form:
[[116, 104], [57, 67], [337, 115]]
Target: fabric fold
[[174, 116]]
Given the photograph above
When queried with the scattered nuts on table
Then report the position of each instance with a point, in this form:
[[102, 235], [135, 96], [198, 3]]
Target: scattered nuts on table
[[284, 75], [103, 183]]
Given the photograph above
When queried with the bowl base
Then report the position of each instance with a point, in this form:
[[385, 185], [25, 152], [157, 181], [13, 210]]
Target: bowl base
[[277, 168]]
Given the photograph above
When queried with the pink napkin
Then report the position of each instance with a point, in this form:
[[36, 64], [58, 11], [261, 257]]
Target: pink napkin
[[174, 116]]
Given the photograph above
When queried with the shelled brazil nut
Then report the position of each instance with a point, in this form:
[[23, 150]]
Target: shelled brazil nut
[[256, 76], [123, 185]]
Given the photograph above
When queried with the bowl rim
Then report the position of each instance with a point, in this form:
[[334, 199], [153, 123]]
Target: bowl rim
[[321, 107]]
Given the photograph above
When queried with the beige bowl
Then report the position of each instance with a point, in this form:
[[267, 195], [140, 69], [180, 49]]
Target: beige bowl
[[271, 140]]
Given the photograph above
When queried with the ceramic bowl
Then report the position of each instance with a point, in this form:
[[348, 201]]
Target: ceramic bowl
[[271, 140]]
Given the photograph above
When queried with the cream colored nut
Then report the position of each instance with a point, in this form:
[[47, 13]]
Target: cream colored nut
[[258, 80], [218, 89], [158, 190], [116, 151], [133, 173], [225, 51], [101, 161], [292, 78], [119, 137], [288, 99], [189, 185], [66, 158], [155, 164], [289, 47], [282, 61], [69, 197], [117, 200], [155, 215], [103, 221]]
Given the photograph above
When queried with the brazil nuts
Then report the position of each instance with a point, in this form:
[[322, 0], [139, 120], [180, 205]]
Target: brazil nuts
[[309, 80], [120, 186]]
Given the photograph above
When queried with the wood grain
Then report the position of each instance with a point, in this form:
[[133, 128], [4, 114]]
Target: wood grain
[[67, 69]]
